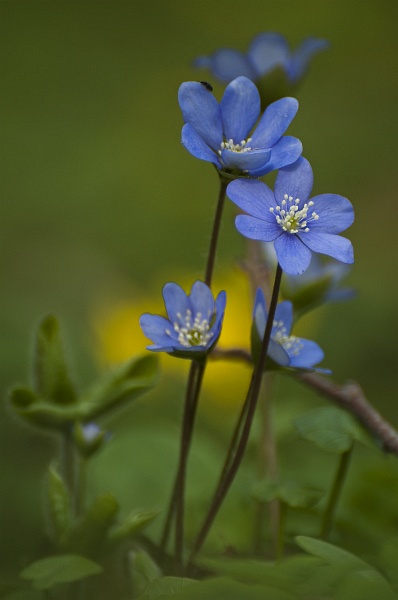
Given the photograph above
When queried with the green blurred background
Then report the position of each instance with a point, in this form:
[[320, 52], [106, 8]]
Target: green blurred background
[[99, 198]]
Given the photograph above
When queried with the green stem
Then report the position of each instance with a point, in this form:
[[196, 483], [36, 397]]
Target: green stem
[[81, 485], [251, 400], [186, 438], [341, 473], [215, 231], [280, 541], [68, 462]]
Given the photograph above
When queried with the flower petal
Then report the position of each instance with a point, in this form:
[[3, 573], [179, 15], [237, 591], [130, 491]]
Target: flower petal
[[254, 197], [274, 122], [267, 51], [201, 110], [285, 152], [245, 161], [221, 301], [226, 64], [310, 354], [335, 213], [298, 63], [295, 180], [201, 300], [197, 147], [176, 302], [240, 109], [328, 243], [257, 229], [293, 256], [155, 328], [278, 354], [284, 313]]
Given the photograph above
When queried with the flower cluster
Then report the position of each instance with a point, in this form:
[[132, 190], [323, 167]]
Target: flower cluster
[[267, 51], [225, 134]]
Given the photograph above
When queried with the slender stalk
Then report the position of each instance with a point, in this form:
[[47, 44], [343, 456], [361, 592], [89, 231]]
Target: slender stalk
[[68, 463], [172, 504], [215, 231], [81, 480], [280, 541], [335, 493], [252, 397], [186, 438]]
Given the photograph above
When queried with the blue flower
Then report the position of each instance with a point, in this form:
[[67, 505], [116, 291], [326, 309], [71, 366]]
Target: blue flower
[[220, 132], [266, 52], [287, 217], [284, 349], [193, 325]]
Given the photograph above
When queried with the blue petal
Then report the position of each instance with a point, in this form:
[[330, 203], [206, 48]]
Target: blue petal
[[155, 328], [293, 256], [296, 181], [335, 213], [285, 152], [201, 110], [274, 122], [201, 300], [298, 63], [257, 229], [284, 313], [197, 147], [310, 354], [176, 302], [221, 301], [260, 312], [240, 108], [267, 51], [278, 354], [254, 197], [226, 64], [246, 161], [333, 245]]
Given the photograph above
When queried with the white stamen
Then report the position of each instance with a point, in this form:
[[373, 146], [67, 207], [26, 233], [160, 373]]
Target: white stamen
[[291, 218], [230, 145], [291, 344], [194, 333]]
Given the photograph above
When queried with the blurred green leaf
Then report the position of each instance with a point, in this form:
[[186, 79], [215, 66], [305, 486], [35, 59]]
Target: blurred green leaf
[[389, 561], [47, 572], [165, 587], [143, 570], [59, 502], [221, 588], [22, 595], [51, 376], [89, 533], [334, 555], [126, 382], [291, 493], [330, 428], [132, 525]]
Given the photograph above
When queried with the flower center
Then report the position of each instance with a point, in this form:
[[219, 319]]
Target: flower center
[[230, 145], [290, 343], [291, 218], [193, 333]]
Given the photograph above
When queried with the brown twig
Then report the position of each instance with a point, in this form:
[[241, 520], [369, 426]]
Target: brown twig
[[350, 396]]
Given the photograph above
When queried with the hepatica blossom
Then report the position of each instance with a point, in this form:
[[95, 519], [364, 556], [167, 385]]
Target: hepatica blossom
[[193, 325], [284, 349], [221, 133], [288, 217], [266, 52]]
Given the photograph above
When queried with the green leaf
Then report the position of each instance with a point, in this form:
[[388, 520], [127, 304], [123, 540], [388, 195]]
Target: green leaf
[[47, 572], [127, 382], [331, 429], [132, 525], [389, 561], [59, 504], [143, 570], [89, 533], [22, 595], [221, 588], [291, 493], [51, 376], [164, 587], [334, 555]]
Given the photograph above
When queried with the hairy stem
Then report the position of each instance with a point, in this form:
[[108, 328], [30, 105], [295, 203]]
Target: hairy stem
[[215, 231], [335, 493], [251, 399]]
